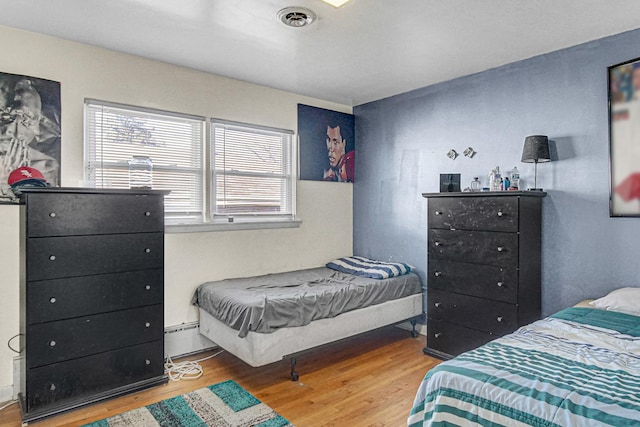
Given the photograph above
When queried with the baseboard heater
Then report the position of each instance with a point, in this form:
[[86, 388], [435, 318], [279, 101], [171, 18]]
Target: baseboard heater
[[185, 339]]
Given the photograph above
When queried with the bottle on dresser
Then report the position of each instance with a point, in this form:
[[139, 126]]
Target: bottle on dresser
[[515, 179], [495, 179], [476, 185]]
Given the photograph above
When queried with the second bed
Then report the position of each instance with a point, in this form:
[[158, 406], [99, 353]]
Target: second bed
[[266, 318]]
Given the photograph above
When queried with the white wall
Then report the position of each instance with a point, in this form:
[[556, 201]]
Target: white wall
[[9, 295], [89, 72]]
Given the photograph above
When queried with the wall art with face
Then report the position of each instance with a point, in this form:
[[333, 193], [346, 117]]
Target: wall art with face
[[327, 146]]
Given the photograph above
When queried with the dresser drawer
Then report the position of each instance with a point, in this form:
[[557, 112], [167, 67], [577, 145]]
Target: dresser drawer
[[452, 339], [80, 214], [58, 299], [481, 247], [466, 213], [80, 378], [82, 336], [487, 281], [57, 257], [489, 316]]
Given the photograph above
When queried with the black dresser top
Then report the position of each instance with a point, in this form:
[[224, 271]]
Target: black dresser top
[[486, 194], [86, 190]]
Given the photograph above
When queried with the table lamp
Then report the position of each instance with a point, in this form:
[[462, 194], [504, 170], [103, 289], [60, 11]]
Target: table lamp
[[536, 150]]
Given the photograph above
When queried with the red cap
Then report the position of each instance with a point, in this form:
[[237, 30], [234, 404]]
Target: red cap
[[25, 175]]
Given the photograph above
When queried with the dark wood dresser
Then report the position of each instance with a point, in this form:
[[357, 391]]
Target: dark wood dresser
[[91, 295], [483, 275]]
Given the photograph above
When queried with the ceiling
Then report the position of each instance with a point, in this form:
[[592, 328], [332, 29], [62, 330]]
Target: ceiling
[[363, 51]]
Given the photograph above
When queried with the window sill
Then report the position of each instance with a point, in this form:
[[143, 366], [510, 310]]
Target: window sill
[[250, 225]]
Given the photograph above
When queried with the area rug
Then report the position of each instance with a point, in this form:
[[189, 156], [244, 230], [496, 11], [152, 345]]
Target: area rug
[[226, 404]]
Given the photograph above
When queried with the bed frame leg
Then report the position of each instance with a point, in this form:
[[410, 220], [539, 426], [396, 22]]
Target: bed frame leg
[[414, 332], [294, 374]]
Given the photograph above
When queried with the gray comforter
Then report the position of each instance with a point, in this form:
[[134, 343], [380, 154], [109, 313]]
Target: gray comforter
[[266, 303]]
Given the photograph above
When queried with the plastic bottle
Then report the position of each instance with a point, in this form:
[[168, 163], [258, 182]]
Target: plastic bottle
[[140, 172], [497, 179], [515, 179], [492, 176]]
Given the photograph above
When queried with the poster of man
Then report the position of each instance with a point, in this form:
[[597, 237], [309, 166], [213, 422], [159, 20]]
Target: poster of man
[[29, 128], [327, 150]]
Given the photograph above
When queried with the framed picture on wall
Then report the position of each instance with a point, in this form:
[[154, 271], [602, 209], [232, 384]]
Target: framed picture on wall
[[29, 128], [327, 146], [624, 138]]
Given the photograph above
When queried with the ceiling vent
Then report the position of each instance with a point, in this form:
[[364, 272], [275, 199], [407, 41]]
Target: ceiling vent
[[296, 16]]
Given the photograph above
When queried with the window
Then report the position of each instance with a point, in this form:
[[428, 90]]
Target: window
[[252, 173], [252, 167], [174, 143]]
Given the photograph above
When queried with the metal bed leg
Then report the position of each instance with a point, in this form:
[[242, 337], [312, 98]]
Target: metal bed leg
[[294, 374], [414, 332]]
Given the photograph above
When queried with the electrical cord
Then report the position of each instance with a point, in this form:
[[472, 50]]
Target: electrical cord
[[9, 344], [187, 369], [8, 404]]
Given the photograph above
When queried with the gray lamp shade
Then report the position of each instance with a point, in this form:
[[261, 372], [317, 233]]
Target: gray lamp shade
[[536, 149]]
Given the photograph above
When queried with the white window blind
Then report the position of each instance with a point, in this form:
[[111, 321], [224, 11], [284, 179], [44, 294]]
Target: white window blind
[[252, 172], [174, 142]]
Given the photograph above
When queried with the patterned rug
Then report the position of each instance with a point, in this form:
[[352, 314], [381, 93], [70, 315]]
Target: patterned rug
[[225, 404]]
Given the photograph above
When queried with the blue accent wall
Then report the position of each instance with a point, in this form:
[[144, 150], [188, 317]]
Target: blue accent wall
[[402, 141]]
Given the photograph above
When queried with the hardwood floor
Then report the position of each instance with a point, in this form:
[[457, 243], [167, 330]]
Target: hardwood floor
[[369, 380]]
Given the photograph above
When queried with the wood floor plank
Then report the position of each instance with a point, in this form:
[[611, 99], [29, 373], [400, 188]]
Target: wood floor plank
[[366, 381]]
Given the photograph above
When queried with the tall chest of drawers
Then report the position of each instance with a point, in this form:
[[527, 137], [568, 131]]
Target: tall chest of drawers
[[91, 295], [483, 274]]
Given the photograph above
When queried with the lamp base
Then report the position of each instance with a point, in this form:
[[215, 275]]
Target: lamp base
[[535, 189]]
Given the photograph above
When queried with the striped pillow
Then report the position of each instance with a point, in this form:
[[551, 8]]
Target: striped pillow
[[365, 267]]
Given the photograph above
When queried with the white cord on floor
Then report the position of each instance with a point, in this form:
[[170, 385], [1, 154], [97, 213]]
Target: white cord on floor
[[8, 404], [187, 369]]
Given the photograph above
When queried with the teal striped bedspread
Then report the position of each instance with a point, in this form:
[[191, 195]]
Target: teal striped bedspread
[[579, 367]]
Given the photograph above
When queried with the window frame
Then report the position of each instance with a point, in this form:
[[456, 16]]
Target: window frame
[[291, 177]]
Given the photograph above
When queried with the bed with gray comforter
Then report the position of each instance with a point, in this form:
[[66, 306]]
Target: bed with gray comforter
[[267, 303]]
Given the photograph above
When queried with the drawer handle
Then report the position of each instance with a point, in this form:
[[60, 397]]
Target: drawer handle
[[52, 257], [500, 213], [437, 243], [438, 273], [437, 305], [147, 362], [500, 284], [147, 287], [52, 343], [52, 387], [499, 318], [437, 335], [147, 213], [52, 300], [147, 250], [438, 213], [500, 249], [147, 324], [52, 214]]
